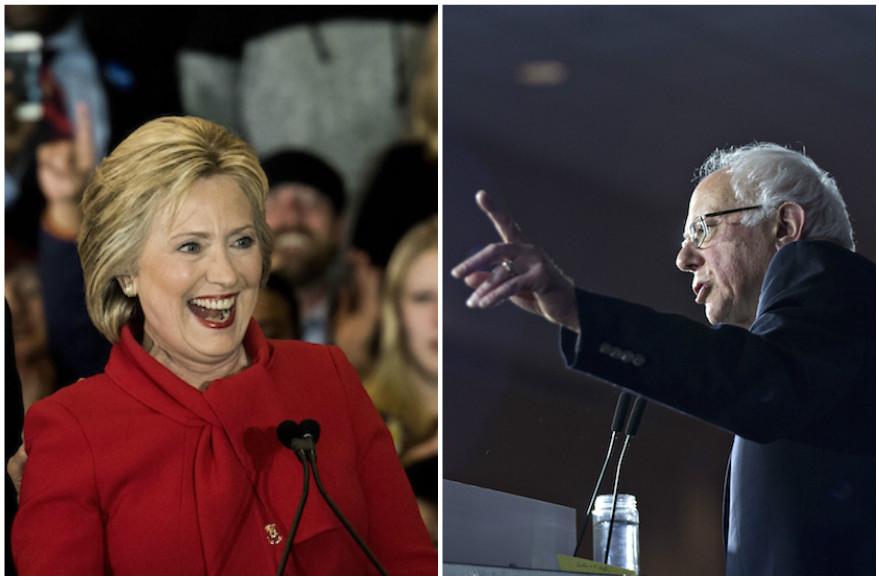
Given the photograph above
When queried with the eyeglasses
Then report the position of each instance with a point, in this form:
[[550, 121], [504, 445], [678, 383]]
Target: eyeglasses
[[697, 231]]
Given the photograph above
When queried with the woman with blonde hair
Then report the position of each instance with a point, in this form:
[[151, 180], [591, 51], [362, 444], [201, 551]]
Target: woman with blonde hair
[[403, 384], [170, 461]]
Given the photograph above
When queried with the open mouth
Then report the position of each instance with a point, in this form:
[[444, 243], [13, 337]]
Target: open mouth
[[701, 290], [214, 311], [292, 240]]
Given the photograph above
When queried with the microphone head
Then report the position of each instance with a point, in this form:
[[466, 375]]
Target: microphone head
[[310, 428], [635, 416], [620, 414], [287, 432]]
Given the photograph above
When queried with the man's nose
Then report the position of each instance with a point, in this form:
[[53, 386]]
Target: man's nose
[[286, 213], [294, 212], [689, 258]]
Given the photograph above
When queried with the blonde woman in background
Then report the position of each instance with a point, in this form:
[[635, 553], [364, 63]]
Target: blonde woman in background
[[403, 384], [402, 190]]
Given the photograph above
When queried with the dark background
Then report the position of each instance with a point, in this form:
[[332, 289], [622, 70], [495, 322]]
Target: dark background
[[598, 170]]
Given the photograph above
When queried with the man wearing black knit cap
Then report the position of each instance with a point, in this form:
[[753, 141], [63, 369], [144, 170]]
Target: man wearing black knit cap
[[305, 209]]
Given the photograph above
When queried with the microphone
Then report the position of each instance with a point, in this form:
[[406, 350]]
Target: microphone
[[616, 426], [303, 443], [298, 437], [287, 432], [310, 431], [635, 417], [631, 430], [291, 435]]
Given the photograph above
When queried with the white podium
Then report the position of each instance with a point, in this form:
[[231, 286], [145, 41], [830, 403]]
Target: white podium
[[492, 533]]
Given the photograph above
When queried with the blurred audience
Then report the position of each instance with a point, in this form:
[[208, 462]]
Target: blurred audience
[[63, 170], [136, 48], [403, 384], [306, 211], [13, 422], [277, 311], [344, 90], [69, 75], [98, 83], [35, 368], [404, 189]]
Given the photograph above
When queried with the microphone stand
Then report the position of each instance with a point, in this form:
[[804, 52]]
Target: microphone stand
[[312, 457], [613, 511], [631, 429], [616, 427], [302, 440], [300, 453]]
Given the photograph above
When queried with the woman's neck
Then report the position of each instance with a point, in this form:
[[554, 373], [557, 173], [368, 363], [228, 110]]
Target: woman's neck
[[196, 374], [424, 385]]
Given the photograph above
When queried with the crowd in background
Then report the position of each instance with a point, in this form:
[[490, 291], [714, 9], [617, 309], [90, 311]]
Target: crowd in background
[[340, 103]]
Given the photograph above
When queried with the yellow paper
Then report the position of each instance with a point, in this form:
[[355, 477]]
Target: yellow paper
[[584, 566]]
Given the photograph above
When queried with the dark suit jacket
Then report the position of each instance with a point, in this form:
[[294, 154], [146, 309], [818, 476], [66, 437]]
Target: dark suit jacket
[[134, 472], [797, 389]]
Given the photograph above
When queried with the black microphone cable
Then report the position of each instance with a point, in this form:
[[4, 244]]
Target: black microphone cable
[[312, 457], [308, 434], [617, 426], [631, 430]]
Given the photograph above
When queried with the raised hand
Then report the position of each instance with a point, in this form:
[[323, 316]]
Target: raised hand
[[15, 469], [519, 271], [63, 169]]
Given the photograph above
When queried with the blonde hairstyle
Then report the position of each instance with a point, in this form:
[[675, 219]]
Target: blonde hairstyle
[[425, 92], [152, 171], [390, 383]]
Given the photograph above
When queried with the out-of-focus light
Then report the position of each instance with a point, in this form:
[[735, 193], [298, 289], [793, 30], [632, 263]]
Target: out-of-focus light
[[542, 73]]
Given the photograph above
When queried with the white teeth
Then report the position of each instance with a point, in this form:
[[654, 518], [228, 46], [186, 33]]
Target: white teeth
[[214, 303], [292, 240]]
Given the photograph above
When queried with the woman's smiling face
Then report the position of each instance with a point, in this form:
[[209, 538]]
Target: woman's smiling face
[[420, 306], [198, 282]]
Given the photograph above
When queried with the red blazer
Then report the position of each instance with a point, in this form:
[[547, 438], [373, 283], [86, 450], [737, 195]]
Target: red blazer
[[134, 472]]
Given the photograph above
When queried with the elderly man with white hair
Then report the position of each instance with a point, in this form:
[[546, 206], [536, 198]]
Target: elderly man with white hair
[[788, 365]]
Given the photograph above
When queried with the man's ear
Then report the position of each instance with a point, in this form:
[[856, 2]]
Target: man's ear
[[790, 221]]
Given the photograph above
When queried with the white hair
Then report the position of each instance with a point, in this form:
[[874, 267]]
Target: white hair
[[769, 175]]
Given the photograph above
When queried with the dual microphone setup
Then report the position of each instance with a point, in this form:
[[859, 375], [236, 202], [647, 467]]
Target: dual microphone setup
[[616, 427], [301, 438]]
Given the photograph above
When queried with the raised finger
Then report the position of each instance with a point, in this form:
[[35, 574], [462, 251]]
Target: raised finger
[[503, 222], [83, 140]]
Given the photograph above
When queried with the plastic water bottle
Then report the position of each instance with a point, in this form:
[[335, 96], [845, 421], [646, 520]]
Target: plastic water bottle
[[624, 547]]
